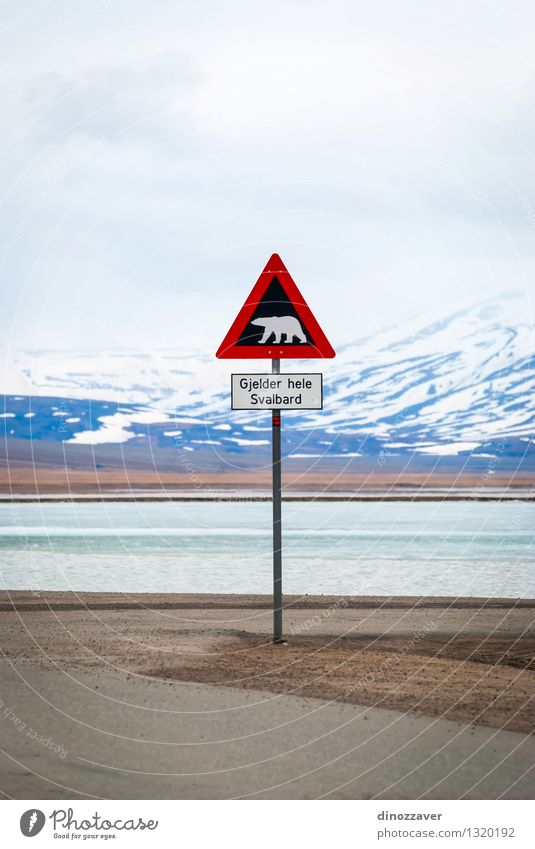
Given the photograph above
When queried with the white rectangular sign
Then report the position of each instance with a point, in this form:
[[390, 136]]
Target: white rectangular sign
[[277, 391]]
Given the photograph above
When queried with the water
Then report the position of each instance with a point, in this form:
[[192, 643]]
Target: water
[[403, 548]]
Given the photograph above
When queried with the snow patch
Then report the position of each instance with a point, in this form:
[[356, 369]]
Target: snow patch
[[451, 449], [242, 441], [114, 428]]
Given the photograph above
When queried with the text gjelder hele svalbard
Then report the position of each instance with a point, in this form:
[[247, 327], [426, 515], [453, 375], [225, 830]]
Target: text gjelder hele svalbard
[[270, 385]]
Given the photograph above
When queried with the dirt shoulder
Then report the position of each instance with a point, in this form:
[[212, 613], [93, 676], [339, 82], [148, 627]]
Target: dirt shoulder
[[471, 660], [485, 683]]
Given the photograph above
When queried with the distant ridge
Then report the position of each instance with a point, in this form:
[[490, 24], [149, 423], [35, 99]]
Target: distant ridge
[[455, 395]]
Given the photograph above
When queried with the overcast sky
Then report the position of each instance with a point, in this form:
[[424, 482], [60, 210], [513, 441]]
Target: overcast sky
[[154, 154]]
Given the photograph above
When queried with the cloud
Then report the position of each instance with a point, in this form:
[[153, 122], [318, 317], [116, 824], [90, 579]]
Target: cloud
[[156, 154]]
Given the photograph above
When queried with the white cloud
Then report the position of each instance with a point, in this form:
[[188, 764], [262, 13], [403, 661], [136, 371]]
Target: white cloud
[[156, 154]]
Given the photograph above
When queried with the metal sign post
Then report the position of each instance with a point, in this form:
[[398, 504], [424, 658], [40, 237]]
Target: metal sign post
[[288, 392], [274, 322], [277, 516]]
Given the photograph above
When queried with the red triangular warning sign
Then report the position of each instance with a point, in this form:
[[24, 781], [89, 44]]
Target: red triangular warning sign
[[275, 322]]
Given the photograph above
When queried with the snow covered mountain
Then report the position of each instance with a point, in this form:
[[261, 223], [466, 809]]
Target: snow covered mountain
[[459, 387]]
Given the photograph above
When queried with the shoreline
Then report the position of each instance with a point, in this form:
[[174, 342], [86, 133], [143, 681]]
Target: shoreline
[[70, 600], [524, 494]]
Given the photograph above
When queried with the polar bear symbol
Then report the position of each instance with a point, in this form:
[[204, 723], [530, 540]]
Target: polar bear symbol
[[280, 325]]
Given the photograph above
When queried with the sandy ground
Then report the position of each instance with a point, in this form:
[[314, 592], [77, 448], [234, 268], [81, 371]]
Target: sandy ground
[[470, 659], [118, 736], [170, 696]]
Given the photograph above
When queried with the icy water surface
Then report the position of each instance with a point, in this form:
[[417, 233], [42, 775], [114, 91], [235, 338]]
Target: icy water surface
[[404, 548]]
